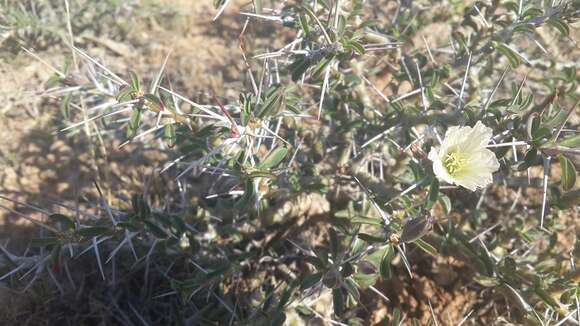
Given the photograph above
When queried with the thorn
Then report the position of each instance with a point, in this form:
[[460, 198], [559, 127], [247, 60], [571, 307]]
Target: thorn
[[324, 87], [546, 160], [96, 247], [460, 101]]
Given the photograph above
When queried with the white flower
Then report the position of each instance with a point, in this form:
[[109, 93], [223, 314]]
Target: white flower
[[184, 241], [463, 159]]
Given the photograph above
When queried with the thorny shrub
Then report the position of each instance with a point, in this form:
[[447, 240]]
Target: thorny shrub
[[361, 145]]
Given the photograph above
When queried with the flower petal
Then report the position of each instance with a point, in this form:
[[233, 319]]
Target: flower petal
[[483, 160], [453, 137], [481, 165], [475, 138], [438, 168]]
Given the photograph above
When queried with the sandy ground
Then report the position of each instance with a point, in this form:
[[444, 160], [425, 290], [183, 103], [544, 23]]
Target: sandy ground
[[42, 167]]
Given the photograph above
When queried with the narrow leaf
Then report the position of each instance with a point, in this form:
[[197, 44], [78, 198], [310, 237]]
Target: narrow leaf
[[274, 158], [568, 179]]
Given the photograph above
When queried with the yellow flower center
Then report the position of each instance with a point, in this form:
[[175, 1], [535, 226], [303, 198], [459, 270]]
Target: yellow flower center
[[454, 163]]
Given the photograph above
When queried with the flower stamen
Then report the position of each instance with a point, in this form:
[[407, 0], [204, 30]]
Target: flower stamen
[[454, 163]]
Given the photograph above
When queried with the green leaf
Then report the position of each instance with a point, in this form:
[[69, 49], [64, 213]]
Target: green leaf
[[557, 119], [364, 280], [310, 280], [338, 300], [247, 198], [134, 121], [286, 296], [532, 12], [334, 244], [433, 193], [304, 23], [513, 57], [415, 229], [135, 83], [356, 46], [568, 179], [530, 159], [571, 141], [425, 246], [125, 94], [532, 124], [350, 286], [277, 318], [218, 3], [299, 67], [66, 222], [260, 174], [460, 39], [446, 203], [569, 199], [65, 106], [366, 220], [272, 102], [314, 261], [153, 102], [560, 25], [546, 297], [156, 230], [43, 242], [246, 111], [129, 226], [319, 70], [487, 281], [274, 158], [55, 254], [385, 267], [169, 134], [527, 28], [511, 6], [540, 134], [341, 26], [371, 238], [93, 231], [396, 317], [140, 206]]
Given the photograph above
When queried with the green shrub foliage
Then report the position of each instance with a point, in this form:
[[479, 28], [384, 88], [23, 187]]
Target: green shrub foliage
[[317, 180]]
